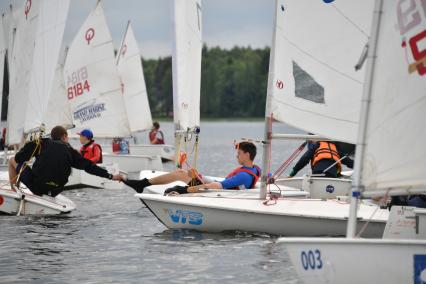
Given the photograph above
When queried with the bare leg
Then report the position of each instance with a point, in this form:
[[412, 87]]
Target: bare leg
[[12, 170], [178, 175]]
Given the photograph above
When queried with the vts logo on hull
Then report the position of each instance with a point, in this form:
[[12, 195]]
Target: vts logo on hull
[[185, 216]]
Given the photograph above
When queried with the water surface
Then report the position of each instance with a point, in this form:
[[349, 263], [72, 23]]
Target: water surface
[[113, 238]]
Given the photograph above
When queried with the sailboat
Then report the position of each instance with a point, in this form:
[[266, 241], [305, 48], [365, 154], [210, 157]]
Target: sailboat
[[215, 211], [129, 66], [94, 90], [389, 161], [36, 43], [9, 25], [52, 117], [317, 88], [186, 67]]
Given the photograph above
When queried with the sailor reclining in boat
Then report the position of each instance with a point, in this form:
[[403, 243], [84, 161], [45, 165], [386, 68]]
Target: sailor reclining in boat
[[325, 158], [53, 161], [244, 176]]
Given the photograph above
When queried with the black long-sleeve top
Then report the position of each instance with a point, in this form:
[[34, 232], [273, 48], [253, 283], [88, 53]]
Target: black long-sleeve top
[[54, 162]]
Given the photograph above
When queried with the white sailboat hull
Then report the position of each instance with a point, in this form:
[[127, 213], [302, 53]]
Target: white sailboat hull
[[210, 212], [319, 260], [319, 187], [10, 203], [80, 178], [166, 152], [133, 163]]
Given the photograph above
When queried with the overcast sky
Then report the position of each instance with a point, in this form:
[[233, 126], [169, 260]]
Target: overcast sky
[[226, 23]]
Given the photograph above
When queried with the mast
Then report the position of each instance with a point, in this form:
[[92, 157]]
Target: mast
[[268, 116], [357, 186], [186, 66]]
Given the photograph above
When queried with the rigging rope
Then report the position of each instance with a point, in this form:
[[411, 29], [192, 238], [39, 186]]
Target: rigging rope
[[381, 201], [286, 163]]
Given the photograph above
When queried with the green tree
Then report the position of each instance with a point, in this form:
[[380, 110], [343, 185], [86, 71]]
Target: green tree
[[233, 83]]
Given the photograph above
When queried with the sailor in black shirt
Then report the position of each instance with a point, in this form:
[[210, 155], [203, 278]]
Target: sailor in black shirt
[[54, 159]]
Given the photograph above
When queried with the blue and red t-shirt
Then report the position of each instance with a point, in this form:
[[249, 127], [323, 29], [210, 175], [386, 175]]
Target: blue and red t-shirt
[[240, 179]]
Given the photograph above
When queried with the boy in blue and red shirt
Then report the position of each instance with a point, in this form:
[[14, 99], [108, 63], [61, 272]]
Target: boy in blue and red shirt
[[244, 176]]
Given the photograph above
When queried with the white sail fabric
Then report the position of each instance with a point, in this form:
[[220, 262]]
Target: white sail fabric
[[92, 81], [186, 63], [10, 22], [58, 110], [129, 65], [312, 82], [21, 63], [3, 48], [52, 19], [395, 150]]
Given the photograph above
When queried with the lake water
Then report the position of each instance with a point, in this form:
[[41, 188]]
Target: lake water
[[113, 238]]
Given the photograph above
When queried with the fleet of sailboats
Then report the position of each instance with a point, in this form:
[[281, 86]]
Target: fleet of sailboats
[[288, 216], [312, 85]]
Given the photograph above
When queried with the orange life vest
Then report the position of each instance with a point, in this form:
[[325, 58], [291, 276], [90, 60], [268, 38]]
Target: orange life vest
[[326, 150], [153, 134], [243, 170], [88, 151]]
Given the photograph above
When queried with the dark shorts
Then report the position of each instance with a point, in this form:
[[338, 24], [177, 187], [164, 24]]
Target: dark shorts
[[324, 164], [27, 178]]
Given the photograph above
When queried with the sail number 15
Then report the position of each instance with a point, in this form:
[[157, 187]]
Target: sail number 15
[[77, 83]]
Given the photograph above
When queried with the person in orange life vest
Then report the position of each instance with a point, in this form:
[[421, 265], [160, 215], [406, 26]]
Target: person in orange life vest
[[244, 176], [322, 155], [90, 149], [156, 136]]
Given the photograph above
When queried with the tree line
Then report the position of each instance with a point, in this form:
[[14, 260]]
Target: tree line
[[233, 83]]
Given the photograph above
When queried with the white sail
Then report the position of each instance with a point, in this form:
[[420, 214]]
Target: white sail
[[10, 22], [52, 19], [92, 81], [396, 120], [186, 63], [312, 82], [58, 110], [135, 96], [3, 48], [21, 63]]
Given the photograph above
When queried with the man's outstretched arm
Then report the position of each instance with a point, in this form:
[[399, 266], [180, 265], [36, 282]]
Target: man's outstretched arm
[[89, 167]]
